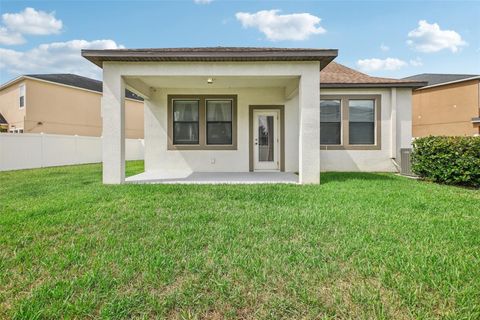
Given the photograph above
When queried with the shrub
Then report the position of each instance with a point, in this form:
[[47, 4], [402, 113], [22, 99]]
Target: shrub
[[449, 160]]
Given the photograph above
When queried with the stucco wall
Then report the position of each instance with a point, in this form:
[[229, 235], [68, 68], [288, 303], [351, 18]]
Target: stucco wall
[[63, 110], [446, 110], [374, 160], [70, 111], [9, 105], [157, 157]]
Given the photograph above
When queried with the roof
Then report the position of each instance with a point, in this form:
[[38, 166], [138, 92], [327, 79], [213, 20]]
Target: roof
[[336, 75], [74, 80], [439, 78], [212, 54], [70, 79], [2, 120]]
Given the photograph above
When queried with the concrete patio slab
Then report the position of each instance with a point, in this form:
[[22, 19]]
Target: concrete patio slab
[[214, 178]]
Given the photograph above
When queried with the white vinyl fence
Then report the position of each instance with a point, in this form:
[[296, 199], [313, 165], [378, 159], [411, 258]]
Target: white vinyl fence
[[32, 150]]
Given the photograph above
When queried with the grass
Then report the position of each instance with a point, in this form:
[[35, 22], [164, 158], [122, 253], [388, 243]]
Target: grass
[[357, 246]]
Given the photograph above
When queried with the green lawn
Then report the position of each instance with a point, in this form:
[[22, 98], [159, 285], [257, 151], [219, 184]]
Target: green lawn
[[357, 246]]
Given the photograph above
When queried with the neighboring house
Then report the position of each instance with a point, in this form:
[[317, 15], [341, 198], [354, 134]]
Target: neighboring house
[[449, 105], [240, 110], [62, 104]]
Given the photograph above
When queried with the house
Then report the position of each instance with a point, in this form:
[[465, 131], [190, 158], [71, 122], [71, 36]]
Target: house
[[61, 104], [251, 114], [449, 105]]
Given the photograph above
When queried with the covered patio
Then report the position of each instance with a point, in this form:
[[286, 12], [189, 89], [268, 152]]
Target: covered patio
[[216, 115]]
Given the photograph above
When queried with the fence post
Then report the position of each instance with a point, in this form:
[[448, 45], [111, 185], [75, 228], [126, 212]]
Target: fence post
[[42, 147]]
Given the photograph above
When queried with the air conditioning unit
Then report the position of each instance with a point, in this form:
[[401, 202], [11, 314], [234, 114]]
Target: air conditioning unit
[[406, 162]]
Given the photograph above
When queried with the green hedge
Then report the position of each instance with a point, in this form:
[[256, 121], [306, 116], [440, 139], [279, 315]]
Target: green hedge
[[450, 160]]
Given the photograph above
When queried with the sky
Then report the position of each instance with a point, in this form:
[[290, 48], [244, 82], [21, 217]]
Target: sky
[[381, 38]]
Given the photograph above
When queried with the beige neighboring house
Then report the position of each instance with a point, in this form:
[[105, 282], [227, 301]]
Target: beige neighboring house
[[61, 104], [448, 106]]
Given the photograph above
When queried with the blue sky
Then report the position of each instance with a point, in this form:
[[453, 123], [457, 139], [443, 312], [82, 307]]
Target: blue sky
[[383, 38]]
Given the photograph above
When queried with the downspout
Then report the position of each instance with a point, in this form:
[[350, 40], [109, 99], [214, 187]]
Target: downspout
[[393, 127]]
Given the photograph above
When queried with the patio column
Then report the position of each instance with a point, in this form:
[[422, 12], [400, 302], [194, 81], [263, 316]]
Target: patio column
[[309, 135], [113, 114]]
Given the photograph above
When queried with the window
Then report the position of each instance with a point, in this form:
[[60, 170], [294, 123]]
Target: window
[[21, 101], [219, 122], [185, 122], [361, 121], [350, 122], [330, 122], [202, 122]]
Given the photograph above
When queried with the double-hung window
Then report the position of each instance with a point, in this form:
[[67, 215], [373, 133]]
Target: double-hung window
[[202, 122], [21, 99], [350, 122]]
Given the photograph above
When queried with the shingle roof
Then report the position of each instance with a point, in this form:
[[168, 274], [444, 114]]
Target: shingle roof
[[2, 120], [337, 75], [78, 81], [439, 78], [211, 54]]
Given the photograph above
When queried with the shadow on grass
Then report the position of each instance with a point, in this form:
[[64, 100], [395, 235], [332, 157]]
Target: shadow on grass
[[327, 177]]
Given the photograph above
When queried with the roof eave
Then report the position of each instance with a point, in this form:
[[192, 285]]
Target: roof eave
[[412, 85], [12, 82], [449, 82], [325, 56]]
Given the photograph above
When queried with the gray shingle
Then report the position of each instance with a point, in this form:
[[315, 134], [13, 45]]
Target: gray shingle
[[74, 80], [439, 78]]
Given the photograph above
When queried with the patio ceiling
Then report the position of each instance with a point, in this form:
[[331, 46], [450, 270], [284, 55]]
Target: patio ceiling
[[217, 82]]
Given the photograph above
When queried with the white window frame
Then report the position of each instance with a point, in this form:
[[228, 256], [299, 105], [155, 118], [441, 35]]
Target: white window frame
[[21, 88]]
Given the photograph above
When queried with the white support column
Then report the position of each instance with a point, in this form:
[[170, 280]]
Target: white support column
[[113, 114], [309, 135], [393, 123]]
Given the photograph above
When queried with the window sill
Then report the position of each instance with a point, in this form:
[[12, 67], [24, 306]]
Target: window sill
[[201, 147], [350, 147]]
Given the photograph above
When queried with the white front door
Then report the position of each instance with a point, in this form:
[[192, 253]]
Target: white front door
[[266, 140]]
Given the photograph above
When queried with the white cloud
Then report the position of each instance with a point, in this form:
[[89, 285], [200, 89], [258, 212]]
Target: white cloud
[[28, 21], [417, 62], [375, 64], [31, 21], [384, 47], [202, 1], [430, 38], [275, 26], [56, 57], [10, 38]]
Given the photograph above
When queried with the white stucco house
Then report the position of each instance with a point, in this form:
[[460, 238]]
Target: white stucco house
[[250, 114]]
